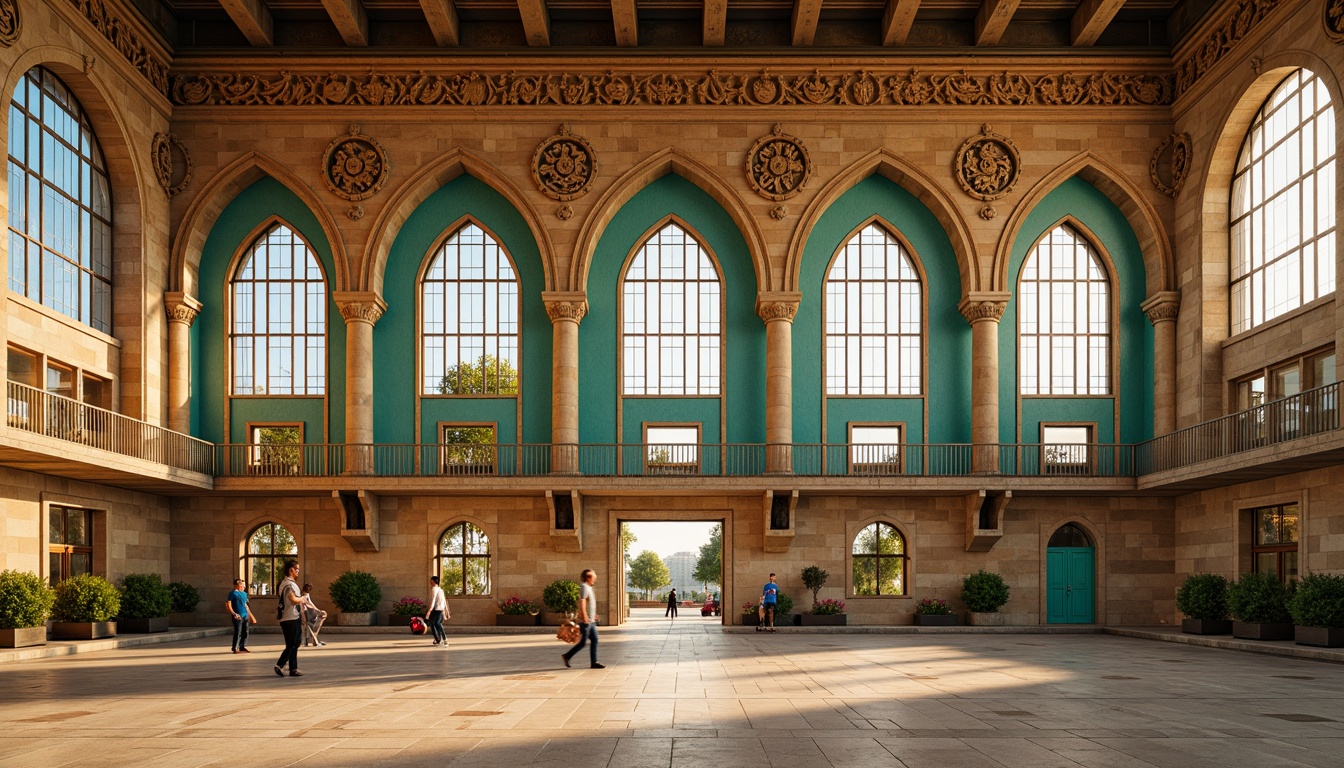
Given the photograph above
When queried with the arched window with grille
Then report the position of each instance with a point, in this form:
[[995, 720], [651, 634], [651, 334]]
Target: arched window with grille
[[1064, 318], [60, 203], [1282, 234], [874, 318], [278, 329], [463, 560], [878, 561], [268, 547]]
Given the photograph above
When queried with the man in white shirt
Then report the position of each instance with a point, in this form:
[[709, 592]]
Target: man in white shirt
[[438, 609], [587, 620]]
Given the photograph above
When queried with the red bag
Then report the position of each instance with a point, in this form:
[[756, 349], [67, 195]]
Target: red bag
[[418, 626]]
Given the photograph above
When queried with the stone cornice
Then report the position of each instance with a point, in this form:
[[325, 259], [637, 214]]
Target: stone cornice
[[979, 306], [782, 305], [561, 305], [359, 306], [1212, 43], [114, 23], [181, 308], [1162, 306]]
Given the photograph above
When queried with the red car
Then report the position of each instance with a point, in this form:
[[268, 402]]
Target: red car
[[711, 606]]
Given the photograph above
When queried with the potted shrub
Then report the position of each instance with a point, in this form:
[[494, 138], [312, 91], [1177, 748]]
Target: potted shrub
[[1203, 599], [516, 612], [406, 609], [984, 594], [185, 600], [25, 605], [356, 594], [751, 615], [934, 612], [1317, 606], [1259, 603], [562, 597], [814, 579], [145, 604], [85, 608], [784, 615], [826, 613]]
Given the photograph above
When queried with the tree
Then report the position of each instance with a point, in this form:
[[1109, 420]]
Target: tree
[[627, 541], [814, 578], [709, 568], [648, 572], [488, 375]]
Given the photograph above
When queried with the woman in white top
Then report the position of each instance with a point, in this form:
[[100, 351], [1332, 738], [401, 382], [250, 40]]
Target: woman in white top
[[438, 611], [313, 617]]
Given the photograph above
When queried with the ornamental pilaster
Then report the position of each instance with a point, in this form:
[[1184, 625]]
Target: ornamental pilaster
[[979, 306], [181, 307], [360, 306]]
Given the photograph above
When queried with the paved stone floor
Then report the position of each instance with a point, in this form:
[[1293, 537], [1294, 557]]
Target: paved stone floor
[[679, 694]]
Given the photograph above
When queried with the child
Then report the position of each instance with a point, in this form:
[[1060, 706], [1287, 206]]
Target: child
[[312, 618], [236, 605]]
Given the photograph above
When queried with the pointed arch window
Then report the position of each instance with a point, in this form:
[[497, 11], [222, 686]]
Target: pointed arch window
[[1283, 205], [1064, 318], [60, 203], [470, 310], [874, 318], [278, 331], [671, 318]]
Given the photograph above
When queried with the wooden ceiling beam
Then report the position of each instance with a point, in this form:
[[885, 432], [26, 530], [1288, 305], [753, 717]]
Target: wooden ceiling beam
[[253, 19], [536, 21], [806, 13], [626, 20], [350, 20], [1091, 19], [897, 20], [992, 19], [442, 18], [716, 22]]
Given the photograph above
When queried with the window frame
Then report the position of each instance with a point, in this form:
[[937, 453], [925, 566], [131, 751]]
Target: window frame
[[489, 451], [896, 467], [276, 464], [63, 550], [1280, 549], [903, 557], [464, 556], [1083, 468], [650, 466], [276, 558]]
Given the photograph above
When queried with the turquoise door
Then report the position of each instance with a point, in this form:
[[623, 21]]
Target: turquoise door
[[1070, 585]]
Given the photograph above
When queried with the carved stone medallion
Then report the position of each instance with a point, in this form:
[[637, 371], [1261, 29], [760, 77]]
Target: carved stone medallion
[[1334, 20], [564, 166], [987, 165], [355, 166], [778, 166], [9, 22], [169, 153], [1170, 164]]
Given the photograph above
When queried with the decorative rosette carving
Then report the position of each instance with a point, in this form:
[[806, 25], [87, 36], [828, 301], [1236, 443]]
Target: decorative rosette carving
[[564, 166], [1170, 164], [1334, 20], [355, 166], [987, 165], [778, 166], [10, 23], [166, 146]]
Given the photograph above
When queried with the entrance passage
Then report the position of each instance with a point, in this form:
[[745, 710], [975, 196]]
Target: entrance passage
[[1070, 577], [672, 568]]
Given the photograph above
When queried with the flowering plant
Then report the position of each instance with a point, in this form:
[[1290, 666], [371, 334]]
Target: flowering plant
[[749, 608], [517, 606], [933, 606], [828, 607], [409, 606]]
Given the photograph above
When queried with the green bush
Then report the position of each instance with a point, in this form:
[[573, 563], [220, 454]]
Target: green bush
[[814, 578], [86, 598], [145, 596], [1318, 601], [25, 600], [185, 597], [355, 592], [984, 592], [1258, 598], [1203, 596], [561, 596], [783, 604]]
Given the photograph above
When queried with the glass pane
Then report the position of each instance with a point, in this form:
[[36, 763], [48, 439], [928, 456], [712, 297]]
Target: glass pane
[[1289, 534], [890, 542], [865, 575], [284, 542], [260, 578], [22, 367], [451, 576], [54, 568], [260, 541], [81, 564], [77, 524], [1289, 567], [866, 542], [56, 525], [1266, 526], [452, 542], [1267, 562], [478, 576], [891, 579], [475, 541]]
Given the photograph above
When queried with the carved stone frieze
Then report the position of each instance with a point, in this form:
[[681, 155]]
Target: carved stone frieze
[[1170, 164], [128, 43], [166, 146], [1333, 17], [566, 310], [10, 23], [355, 166], [1236, 25], [987, 165], [777, 310], [714, 88], [778, 165], [564, 166]]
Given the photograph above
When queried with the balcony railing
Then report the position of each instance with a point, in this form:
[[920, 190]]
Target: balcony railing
[[33, 410]]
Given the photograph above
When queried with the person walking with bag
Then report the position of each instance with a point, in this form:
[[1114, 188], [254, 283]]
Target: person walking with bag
[[313, 617], [290, 614], [242, 617], [671, 604], [438, 611], [587, 620]]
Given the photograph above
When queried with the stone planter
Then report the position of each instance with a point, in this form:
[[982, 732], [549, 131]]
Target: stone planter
[[184, 619], [401, 621], [750, 620], [23, 637], [1321, 637], [82, 630], [934, 620], [809, 620], [1206, 626], [128, 626], [357, 619], [984, 619], [513, 620], [1249, 631]]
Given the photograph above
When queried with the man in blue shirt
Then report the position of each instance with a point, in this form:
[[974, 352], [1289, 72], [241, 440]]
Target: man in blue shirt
[[236, 605], [768, 595]]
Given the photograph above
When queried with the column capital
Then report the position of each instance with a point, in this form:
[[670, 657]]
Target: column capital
[[181, 307], [565, 305], [980, 306], [778, 305], [1162, 306], [359, 306]]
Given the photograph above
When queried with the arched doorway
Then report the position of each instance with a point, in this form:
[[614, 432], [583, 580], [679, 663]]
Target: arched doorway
[[1070, 577]]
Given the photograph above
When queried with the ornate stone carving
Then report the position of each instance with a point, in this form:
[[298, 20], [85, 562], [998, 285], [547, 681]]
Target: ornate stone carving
[[355, 212], [181, 308], [366, 311], [564, 213], [1236, 25], [1170, 164], [355, 166], [779, 212], [165, 146], [976, 311], [566, 310], [987, 165], [777, 310], [564, 166], [778, 165], [987, 212], [1162, 306], [128, 43], [847, 89], [10, 23], [1333, 18]]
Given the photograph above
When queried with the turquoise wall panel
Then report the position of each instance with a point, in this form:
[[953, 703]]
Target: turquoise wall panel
[[844, 410], [702, 410], [501, 410], [1098, 410], [265, 409]]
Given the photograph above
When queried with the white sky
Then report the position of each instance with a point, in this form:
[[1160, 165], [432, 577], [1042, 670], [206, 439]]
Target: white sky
[[669, 538]]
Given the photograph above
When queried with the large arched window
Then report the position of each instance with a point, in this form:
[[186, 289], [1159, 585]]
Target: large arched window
[[469, 306], [878, 561], [60, 204], [279, 318], [671, 318], [1064, 318], [463, 560], [874, 318], [1283, 205], [268, 547]]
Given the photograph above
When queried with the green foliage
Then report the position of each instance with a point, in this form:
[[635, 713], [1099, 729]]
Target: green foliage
[[933, 606], [648, 572], [984, 592], [355, 592], [185, 597], [561, 596], [517, 606], [486, 376], [814, 578], [25, 600], [709, 566], [145, 596], [783, 604], [279, 450], [1203, 596], [1318, 601], [1258, 598], [628, 540], [828, 607], [86, 598]]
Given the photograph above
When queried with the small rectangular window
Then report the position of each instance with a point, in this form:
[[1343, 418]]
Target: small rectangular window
[[875, 449], [1274, 541], [672, 449], [69, 543], [60, 380], [97, 392], [22, 367], [22, 403], [276, 449], [1066, 449], [468, 449]]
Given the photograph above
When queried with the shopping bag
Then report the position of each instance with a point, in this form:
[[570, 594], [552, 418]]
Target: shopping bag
[[568, 633]]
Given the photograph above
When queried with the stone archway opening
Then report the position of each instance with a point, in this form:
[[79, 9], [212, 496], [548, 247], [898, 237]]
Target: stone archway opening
[[682, 553]]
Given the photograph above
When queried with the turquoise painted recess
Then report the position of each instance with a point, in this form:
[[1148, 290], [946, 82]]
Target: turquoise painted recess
[[253, 206], [396, 338]]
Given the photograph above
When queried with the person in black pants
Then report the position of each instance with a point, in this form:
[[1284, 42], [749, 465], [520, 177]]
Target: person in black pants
[[291, 620], [671, 604]]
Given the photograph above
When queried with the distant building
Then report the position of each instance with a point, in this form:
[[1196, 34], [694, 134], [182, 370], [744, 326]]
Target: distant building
[[681, 566]]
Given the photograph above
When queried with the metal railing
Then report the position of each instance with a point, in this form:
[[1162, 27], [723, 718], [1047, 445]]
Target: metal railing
[[40, 412]]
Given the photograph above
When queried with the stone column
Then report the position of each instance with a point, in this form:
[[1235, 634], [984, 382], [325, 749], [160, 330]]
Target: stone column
[[361, 310], [182, 311], [778, 310], [984, 309], [566, 311], [1162, 309]]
